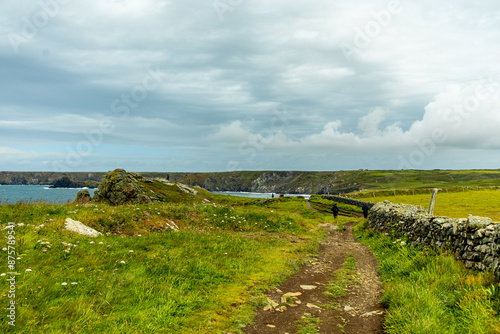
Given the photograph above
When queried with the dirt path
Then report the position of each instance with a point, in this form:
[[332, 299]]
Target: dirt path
[[358, 312]]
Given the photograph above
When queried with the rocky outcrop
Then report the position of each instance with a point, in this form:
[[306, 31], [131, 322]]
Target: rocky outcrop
[[120, 187], [78, 227], [475, 240], [83, 196]]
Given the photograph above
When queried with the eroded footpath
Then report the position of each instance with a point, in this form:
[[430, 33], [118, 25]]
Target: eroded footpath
[[302, 296]]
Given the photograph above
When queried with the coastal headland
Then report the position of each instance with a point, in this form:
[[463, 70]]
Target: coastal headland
[[292, 182]]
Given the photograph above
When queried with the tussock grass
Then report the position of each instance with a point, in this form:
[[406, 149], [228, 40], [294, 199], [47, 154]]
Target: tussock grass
[[308, 324], [428, 291]]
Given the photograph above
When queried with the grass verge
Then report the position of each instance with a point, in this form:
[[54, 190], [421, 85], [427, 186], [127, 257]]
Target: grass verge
[[428, 291]]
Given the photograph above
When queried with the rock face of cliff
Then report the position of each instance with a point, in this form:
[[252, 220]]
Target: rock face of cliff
[[291, 182], [273, 182]]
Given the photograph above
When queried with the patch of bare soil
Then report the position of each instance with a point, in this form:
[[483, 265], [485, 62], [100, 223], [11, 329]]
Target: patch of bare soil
[[358, 312]]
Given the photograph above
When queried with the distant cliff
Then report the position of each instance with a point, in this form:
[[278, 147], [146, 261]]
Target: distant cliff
[[292, 182], [46, 178]]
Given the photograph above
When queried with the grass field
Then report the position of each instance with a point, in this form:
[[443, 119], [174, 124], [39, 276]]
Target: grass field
[[142, 278], [460, 204]]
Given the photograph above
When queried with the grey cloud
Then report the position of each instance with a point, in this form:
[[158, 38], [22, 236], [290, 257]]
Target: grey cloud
[[260, 56]]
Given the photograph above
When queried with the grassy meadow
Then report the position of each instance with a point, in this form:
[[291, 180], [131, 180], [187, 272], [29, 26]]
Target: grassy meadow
[[141, 277], [459, 204], [211, 275]]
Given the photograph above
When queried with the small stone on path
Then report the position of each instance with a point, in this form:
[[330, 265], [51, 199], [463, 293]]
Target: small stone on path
[[312, 306], [292, 294], [271, 326], [372, 313], [272, 302], [308, 287], [347, 308]]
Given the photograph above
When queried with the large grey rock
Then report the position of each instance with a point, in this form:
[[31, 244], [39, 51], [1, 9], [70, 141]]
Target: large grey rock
[[78, 227], [120, 187]]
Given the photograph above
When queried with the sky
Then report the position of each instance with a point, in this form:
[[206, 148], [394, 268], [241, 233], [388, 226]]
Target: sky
[[227, 85]]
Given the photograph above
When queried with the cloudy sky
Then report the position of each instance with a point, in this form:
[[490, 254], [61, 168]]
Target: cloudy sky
[[217, 85]]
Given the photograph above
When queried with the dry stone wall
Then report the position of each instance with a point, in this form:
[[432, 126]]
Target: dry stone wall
[[475, 240]]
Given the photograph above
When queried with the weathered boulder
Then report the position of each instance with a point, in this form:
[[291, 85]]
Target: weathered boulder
[[119, 187], [78, 227], [83, 196]]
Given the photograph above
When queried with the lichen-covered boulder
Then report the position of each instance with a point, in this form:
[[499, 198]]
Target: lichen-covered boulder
[[119, 187]]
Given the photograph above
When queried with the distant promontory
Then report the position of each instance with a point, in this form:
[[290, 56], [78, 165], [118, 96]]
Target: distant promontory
[[66, 182]]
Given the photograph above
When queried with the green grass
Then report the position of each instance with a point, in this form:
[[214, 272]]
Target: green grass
[[455, 204], [345, 277], [428, 291], [308, 324], [140, 277], [319, 203]]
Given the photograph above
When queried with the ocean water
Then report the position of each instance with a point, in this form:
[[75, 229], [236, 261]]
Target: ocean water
[[29, 193], [257, 195]]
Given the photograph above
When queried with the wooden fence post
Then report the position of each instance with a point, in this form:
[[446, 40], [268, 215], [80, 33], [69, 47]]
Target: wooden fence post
[[433, 200]]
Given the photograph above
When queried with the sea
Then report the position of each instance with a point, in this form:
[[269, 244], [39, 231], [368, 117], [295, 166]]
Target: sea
[[259, 195], [31, 193], [35, 193]]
